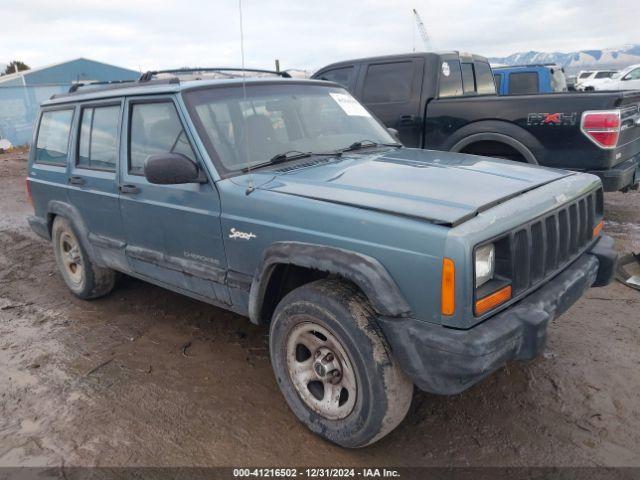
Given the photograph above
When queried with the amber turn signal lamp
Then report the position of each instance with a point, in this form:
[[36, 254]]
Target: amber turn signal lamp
[[491, 301], [597, 229], [448, 300]]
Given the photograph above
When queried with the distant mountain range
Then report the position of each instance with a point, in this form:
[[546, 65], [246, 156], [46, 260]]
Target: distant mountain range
[[573, 62]]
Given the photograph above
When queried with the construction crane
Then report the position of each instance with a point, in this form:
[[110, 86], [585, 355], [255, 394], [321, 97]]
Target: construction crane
[[422, 30]]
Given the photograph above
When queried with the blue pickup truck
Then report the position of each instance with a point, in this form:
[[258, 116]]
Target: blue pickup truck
[[375, 267], [529, 79]]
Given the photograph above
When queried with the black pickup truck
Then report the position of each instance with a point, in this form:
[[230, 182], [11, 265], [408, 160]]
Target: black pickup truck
[[448, 101]]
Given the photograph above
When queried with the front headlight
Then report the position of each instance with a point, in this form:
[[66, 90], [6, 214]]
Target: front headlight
[[485, 264]]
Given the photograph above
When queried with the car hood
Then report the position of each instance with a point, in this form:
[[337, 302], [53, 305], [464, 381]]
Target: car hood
[[441, 187]]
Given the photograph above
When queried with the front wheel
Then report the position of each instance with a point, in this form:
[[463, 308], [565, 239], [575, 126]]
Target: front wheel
[[333, 366]]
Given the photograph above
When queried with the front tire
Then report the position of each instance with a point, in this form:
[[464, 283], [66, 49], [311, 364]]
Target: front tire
[[85, 279], [333, 365]]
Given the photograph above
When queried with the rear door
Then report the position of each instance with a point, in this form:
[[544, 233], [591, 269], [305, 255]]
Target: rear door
[[391, 90], [173, 231], [93, 185]]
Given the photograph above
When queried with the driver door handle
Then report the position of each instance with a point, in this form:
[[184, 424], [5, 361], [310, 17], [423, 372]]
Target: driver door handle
[[77, 180], [407, 120], [131, 189]]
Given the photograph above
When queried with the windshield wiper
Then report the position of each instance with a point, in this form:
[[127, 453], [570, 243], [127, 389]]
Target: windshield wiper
[[360, 144], [286, 156]]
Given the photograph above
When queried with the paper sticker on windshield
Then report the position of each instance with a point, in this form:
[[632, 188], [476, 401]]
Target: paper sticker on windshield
[[350, 105], [446, 71]]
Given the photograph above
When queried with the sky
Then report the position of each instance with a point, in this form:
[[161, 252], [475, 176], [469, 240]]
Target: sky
[[304, 34]]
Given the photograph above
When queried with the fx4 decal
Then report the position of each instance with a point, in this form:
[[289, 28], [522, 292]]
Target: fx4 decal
[[552, 119]]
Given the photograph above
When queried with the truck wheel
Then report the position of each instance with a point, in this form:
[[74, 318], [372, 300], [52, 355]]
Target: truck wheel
[[85, 279], [333, 365]]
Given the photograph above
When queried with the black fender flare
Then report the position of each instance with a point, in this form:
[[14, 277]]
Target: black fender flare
[[62, 209], [366, 272], [499, 131]]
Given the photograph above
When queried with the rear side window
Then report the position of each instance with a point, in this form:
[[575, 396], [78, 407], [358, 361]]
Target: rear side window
[[155, 128], [388, 83], [98, 147], [450, 79], [485, 84], [343, 76], [468, 82], [523, 83], [52, 144]]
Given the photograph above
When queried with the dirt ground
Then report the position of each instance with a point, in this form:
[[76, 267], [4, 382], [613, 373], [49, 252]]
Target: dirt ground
[[111, 383]]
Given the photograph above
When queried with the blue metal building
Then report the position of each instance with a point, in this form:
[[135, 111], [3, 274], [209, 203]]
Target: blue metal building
[[21, 93]]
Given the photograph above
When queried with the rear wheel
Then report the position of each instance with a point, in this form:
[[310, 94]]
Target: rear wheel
[[85, 279], [333, 365]]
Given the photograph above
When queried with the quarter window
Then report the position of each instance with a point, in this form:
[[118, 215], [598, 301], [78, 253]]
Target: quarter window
[[468, 81], [523, 83], [342, 76], [450, 79], [155, 128], [388, 83], [484, 80], [98, 147], [52, 144], [497, 79]]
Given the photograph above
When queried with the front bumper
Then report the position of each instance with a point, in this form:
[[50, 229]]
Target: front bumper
[[622, 176], [447, 361]]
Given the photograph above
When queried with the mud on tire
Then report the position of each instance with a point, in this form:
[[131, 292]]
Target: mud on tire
[[85, 279], [343, 315]]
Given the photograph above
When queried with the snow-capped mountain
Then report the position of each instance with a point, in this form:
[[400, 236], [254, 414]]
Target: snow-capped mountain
[[608, 58]]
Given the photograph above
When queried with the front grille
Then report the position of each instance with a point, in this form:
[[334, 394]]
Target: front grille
[[547, 245]]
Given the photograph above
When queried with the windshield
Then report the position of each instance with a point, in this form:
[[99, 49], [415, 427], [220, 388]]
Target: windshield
[[243, 132]]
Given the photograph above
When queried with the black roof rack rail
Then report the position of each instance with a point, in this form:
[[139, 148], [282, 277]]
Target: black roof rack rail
[[79, 85], [77, 89], [147, 76]]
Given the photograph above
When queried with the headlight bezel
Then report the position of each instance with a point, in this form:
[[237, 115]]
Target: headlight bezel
[[502, 274]]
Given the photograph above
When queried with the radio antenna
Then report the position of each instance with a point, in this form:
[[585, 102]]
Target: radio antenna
[[250, 187]]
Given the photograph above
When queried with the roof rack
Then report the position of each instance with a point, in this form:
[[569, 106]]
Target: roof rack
[[79, 85], [147, 76]]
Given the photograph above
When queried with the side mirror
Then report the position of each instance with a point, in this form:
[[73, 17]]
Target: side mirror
[[394, 133], [172, 169]]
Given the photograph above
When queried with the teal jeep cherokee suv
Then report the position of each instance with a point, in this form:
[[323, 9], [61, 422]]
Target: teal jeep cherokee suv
[[376, 267]]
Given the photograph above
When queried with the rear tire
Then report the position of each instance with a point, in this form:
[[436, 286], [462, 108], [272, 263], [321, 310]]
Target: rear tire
[[85, 279], [333, 365]]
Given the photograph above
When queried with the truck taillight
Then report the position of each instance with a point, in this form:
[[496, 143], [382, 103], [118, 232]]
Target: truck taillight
[[29, 197], [602, 127]]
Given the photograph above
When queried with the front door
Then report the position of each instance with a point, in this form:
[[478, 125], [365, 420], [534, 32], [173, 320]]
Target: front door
[[631, 80], [173, 231]]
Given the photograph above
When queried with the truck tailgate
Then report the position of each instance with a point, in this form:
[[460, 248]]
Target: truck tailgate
[[629, 141]]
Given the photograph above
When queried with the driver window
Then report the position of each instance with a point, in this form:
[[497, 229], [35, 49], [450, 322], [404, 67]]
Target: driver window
[[633, 75], [155, 128]]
